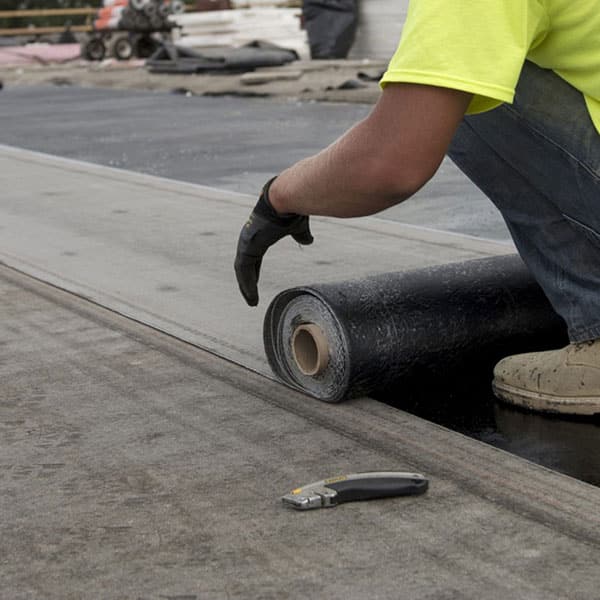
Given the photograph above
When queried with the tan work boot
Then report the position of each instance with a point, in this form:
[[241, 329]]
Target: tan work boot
[[562, 381]]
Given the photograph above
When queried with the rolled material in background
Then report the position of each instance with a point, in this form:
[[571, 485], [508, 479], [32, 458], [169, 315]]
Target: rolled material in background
[[111, 11], [398, 334], [136, 15]]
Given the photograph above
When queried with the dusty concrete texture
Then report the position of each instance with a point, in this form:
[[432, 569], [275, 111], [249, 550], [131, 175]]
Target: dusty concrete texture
[[318, 80], [230, 143], [137, 466]]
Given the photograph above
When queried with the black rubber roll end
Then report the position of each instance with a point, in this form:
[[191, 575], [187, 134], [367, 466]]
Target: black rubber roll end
[[407, 334], [287, 312]]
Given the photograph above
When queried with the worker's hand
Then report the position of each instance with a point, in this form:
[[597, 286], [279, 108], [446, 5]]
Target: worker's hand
[[263, 229]]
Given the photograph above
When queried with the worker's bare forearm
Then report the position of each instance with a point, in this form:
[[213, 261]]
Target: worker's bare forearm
[[381, 161], [347, 179]]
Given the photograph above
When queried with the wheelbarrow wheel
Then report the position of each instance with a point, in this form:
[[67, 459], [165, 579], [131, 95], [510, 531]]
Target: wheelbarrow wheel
[[123, 49], [93, 49]]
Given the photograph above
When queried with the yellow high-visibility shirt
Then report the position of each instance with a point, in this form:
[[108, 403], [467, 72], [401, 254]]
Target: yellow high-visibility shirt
[[479, 46]]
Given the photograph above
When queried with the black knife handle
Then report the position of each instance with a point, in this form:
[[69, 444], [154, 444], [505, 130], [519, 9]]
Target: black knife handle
[[351, 490]]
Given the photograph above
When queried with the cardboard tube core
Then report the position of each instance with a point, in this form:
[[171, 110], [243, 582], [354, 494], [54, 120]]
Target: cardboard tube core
[[310, 349]]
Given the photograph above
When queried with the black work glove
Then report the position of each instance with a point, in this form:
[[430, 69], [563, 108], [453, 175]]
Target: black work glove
[[263, 229]]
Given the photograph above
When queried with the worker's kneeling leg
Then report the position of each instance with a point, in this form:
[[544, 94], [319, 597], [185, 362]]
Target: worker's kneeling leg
[[539, 162]]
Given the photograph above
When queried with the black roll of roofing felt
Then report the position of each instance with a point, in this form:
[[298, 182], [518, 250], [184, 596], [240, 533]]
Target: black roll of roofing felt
[[398, 335]]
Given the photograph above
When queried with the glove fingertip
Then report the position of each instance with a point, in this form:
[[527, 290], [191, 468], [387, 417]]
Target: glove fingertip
[[305, 240], [250, 294]]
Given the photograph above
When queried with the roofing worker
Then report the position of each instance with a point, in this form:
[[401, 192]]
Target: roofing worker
[[526, 73]]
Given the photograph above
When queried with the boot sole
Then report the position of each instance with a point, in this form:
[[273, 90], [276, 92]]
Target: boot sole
[[582, 405]]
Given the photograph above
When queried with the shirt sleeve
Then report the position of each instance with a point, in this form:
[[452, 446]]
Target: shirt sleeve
[[476, 46]]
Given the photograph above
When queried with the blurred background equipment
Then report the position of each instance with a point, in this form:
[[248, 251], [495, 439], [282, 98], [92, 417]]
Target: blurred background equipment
[[331, 27], [213, 5], [128, 28], [134, 28], [276, 22], [38, 21]]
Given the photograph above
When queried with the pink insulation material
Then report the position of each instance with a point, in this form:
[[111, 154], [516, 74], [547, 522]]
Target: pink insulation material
[[38, 54]]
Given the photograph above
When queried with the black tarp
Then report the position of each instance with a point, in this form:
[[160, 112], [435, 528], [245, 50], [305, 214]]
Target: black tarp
[[181, 60]]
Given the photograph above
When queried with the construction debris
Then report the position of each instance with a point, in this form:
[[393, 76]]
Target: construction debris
[[137, 15], [349, 84], [331, 27], [238, 27], [40, 54], [170, 58], [126, 28], [270, 76]]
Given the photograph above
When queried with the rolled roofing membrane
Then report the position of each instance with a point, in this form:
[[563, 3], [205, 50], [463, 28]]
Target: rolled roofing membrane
[[443, 326]]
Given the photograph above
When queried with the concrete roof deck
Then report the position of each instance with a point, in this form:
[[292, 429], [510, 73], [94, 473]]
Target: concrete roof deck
[[138, 465], [162, 251], [135, 465]]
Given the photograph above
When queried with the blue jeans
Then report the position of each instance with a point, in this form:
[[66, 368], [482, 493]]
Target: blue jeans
[[538, 160]]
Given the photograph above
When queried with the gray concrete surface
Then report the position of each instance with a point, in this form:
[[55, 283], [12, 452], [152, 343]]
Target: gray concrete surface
[[229, 143], [137, 466], [162, 251]]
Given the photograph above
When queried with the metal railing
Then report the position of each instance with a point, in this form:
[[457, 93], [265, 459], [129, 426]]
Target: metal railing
[[47, 12]]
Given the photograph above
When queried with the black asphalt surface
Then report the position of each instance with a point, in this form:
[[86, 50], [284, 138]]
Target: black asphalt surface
[[226, 142]]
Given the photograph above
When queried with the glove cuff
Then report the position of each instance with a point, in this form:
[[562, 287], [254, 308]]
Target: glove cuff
[[265, 209]]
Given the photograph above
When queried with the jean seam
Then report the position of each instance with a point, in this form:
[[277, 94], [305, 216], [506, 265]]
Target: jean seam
[[587, 228], [508, 164], [574, 322], [584, 334], [535, 130]]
